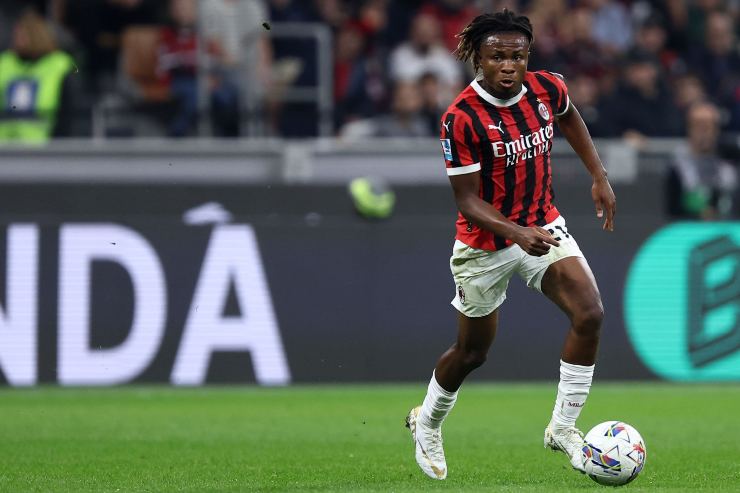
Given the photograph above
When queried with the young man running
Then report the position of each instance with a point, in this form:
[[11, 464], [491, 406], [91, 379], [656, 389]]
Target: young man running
[[496, 139]]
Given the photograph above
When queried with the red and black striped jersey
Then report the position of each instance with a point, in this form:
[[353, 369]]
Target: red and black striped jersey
[[508, 142]]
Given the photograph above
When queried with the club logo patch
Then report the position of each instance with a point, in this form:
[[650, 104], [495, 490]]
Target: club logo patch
[[446, 148], [543, 111], [461, 293]]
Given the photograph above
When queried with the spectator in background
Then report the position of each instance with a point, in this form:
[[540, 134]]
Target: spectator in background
[[642, 106], [717, 59], [698, 13], [652, 37], [676, 15], [372, 21], [9, 10], [432, 106], [611, 26], [292, 11], [37, 84], [452, 16], [240, 68], [332, 12], [546, 15], [295, 66], [98, 25], [399, 16], [688, 90], [178, 64], [425, 53], [579, 52], [585, 95], [351, 76], [405, 120], [733, 104], [699, 184]]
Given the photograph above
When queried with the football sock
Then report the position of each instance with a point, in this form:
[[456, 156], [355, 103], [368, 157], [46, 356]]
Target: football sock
[[437, 405], [575, 382]]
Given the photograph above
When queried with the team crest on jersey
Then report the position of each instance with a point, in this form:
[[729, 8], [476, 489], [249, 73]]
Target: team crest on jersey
[[461, 293], [446, 148], [543, 111]]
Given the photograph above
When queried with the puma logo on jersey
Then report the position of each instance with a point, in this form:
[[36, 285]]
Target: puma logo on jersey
[[446, 126], [497, 127]]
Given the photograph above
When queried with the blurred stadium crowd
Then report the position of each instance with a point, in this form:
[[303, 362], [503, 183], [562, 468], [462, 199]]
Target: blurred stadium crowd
[[227, 68]]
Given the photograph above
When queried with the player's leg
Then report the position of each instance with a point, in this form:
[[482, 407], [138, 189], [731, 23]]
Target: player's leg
[[481, 278], [570, 284], [474, 339]]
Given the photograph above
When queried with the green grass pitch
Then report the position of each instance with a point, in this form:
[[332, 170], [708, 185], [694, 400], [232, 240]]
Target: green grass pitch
[[348, 438]]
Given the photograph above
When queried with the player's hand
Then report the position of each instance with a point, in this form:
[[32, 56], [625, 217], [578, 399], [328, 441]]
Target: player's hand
[[604, 200], [534, 240]]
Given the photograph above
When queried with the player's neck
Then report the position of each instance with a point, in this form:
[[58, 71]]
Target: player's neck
[[515, 91]]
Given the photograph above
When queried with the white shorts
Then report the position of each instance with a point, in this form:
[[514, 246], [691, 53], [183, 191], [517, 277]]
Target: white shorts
[[482, 276]]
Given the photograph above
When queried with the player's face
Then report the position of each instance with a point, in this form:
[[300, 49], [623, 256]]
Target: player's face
[[503, 59]]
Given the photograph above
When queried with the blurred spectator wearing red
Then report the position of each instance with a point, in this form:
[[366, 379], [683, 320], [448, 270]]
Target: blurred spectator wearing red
[[37, 84], [178, 65]]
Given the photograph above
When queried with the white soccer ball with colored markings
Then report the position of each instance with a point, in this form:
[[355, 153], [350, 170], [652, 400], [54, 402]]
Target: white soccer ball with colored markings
[[615, 453]]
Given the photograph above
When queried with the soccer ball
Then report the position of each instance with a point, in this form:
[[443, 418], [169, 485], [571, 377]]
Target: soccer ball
[[615, 453]]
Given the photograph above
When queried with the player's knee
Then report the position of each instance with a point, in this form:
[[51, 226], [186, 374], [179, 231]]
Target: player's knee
[[474, 359], [587, 322]]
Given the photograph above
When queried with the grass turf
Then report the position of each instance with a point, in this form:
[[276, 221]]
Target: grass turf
[[348, 438]]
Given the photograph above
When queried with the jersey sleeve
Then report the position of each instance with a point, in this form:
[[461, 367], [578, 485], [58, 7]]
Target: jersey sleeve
[[458, 145], [563, 102]]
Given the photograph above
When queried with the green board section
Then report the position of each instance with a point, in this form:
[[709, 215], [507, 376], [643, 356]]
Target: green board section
[[682, 302]]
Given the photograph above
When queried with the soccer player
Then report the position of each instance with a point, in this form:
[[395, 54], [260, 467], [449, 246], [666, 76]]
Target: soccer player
[[496, 139]]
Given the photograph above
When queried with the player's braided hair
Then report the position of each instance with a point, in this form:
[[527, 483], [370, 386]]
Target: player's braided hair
[[484, 25]]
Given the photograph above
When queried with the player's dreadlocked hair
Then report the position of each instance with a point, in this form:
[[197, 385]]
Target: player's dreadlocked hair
[[486, 24]]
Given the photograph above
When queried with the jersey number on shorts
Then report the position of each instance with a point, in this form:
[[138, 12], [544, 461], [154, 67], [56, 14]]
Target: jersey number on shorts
[[562, 229]]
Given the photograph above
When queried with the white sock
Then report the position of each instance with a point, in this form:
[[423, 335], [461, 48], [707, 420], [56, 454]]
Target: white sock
[[437, 405], [575, 382]]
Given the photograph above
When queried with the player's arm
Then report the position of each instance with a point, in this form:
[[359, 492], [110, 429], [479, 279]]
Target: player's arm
[[533, 240], [574, 129]]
